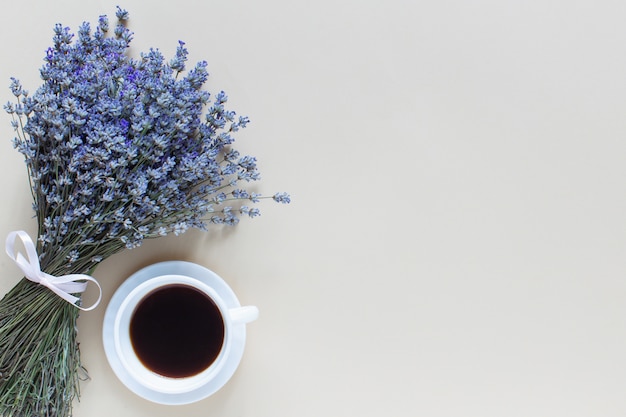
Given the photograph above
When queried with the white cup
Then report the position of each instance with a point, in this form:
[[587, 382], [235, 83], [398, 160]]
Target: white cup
[[163, 384]]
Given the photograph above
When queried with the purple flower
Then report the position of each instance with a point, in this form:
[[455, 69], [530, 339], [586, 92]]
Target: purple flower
[[132, 151]]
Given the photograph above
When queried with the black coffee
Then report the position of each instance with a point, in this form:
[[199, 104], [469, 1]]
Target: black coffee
[[177, 331]]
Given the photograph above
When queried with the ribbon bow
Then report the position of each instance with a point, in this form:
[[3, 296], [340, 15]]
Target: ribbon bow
[[63, 286]]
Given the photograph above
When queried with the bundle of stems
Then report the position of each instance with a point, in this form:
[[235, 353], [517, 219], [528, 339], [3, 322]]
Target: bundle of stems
[[39, 354], [118, 150]]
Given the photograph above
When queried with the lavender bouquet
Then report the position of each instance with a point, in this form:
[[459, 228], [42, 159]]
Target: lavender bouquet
[[118, 150]]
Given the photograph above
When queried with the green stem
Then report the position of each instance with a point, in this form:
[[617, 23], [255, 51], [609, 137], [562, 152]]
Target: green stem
[[39, 356]]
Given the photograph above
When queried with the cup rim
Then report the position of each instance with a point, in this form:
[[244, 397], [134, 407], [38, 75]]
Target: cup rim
[[142, 374]]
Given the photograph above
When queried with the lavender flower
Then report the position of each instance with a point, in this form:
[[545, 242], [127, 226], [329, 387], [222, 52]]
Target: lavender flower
[[115, 143], [283, 198]]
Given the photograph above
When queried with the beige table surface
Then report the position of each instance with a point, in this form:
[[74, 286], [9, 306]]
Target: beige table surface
[[456, 245]]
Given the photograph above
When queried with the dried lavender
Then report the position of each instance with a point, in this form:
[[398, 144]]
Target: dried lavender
[[118, 150]]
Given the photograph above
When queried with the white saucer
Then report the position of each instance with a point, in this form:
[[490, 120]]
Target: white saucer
[[172, 268]]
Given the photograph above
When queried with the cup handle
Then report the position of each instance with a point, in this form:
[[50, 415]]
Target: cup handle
[[244, 314]]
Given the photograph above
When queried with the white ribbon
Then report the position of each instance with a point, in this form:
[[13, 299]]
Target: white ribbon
[[63, 286]]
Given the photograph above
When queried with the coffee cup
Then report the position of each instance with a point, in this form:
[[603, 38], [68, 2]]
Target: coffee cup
[[175, 334]]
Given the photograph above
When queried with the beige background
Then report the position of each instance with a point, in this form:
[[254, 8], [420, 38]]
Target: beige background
[[456, 242]]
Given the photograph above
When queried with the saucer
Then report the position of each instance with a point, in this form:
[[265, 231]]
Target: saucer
[[172, 268]]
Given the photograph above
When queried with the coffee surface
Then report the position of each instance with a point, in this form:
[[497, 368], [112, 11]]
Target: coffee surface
[[177, 331]]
